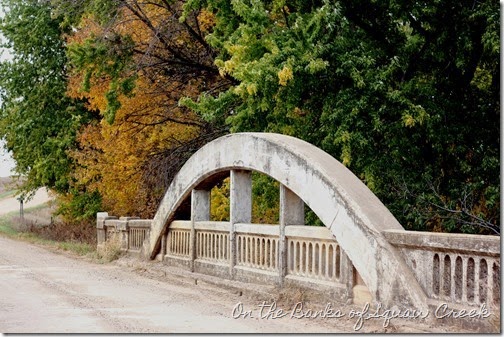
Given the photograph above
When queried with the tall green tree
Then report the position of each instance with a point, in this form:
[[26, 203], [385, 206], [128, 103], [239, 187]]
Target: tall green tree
[[37, 119], [405, 94]]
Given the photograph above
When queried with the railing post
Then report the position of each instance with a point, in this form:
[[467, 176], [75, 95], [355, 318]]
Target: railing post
[[240, 209], [200, 211], [347, 275], [291, 213], [100, 228], [123, 231], [162, 252]]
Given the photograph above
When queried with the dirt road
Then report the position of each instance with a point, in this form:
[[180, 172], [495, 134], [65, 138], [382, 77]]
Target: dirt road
[[42, 291], [11, 204]]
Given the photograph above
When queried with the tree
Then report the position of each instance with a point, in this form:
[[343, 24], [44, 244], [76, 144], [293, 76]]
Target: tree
[[133, 67], [37, 120], [405, 94]]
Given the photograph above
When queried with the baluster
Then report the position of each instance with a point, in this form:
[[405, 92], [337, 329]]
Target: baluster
[[198, 241], [256, 253], [441, 276], [218, 253], [464, 280], [327, 262], [338, 262], [217, 246], [214, 245], [297, 263], [490, 283], [320, 266], [272, 253], [301, 258], [306, 258], [239, 241], [174, 241], [208, 243], [476, 280], [177, 241], [181, 242], [483, 283], [247, 250], [202, 244], [314, 268], [261, 253], [453, 280], [187, 241], [335, 261]]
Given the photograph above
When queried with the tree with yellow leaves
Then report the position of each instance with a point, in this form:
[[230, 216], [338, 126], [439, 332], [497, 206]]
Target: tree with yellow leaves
[[134, 68]]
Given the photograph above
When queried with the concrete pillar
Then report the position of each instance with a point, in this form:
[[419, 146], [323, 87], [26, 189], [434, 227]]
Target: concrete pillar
[[240, 209], [200, 211], [347, 275], [100, 227], [162, 252], [122, 229], [291, 213]]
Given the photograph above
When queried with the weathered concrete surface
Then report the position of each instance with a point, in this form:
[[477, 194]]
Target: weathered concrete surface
[[485, 245], [345, 205], [461, 269]]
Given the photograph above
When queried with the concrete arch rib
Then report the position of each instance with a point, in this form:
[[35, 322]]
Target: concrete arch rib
[[355, 216]]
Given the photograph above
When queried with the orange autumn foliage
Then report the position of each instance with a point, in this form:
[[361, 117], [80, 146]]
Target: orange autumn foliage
[[111, 157]]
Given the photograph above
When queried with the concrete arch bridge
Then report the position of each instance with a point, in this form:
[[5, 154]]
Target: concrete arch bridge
[[362, 252]]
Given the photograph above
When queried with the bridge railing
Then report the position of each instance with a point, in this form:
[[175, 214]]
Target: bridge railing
[[130, 232], [459, 269], [454, 268], [312, 255]]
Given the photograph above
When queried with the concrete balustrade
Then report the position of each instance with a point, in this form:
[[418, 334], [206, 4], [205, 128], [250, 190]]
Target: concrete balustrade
[[454, 268], [131, 232], [312, 256]]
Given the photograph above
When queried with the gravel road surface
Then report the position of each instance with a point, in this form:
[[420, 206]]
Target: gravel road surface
[[46, 292]]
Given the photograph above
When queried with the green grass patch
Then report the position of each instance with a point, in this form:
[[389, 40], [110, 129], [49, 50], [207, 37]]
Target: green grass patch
[[77, 247], [7, 194], [7, 230]]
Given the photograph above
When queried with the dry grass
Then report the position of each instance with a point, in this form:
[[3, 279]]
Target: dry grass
[[110, 250], [81, 232]]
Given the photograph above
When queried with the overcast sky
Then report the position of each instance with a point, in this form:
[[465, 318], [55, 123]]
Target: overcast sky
[[6, 161]]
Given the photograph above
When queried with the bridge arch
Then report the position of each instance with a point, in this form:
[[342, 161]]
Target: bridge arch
[[353, 214]]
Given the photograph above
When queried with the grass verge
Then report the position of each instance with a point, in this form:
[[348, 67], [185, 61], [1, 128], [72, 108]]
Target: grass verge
[[7, 194], [12, 227]]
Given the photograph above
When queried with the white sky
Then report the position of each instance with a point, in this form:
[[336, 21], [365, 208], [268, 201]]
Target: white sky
[[6, 162]]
